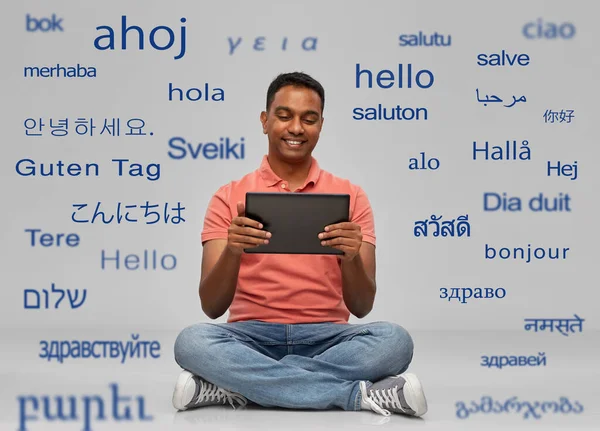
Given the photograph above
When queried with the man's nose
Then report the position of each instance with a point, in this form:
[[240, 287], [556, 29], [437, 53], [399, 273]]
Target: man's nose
[[295, 127]]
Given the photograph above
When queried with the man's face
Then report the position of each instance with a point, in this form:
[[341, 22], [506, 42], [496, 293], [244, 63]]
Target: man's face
[[293, 123]]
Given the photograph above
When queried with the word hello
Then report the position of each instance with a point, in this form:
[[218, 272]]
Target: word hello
[[421, 39], [107, 41], [502, 59], [424, 163], [548, 30], [68, 408], [195, 94], [147, 260], [385, 78], [538, 203], [43, 24]]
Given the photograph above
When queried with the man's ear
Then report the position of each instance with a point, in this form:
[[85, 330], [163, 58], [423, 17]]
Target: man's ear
[[263, 120]]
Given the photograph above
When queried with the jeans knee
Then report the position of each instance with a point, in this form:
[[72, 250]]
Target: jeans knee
[[397, 344], [189, 343]]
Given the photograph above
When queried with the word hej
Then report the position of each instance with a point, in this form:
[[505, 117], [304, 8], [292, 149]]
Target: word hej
[[548, 30], [148, 260], [224, 150], [152, 217], [538, 203], [386, 79], [260, 44], [61, 295], [69, 407], [84, 126], [446, 228], [464, 293], [514, 361], [29, 168], [564, 326], [533, 409], [61, 350]]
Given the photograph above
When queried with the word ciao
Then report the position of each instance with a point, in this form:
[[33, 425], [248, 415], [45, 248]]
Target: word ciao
[[446, 228], [156, 37], [548, 30], [68, 408], [260, 44], [514, 361], [27, 294], [223, 150], [29, 168], [134, 348], [530, 409], [172, 215], [538, 203], [464, 293], [564, 326]]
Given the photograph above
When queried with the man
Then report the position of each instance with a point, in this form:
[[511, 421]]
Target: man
[[287, 341]]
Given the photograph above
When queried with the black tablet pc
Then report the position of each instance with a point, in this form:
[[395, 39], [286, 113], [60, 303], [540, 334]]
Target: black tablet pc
[[296, 219]]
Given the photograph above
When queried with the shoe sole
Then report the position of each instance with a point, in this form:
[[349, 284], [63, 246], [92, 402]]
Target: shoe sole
[[414, 395], [179, 393]]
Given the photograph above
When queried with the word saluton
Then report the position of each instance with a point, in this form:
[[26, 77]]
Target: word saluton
[[208, 150]]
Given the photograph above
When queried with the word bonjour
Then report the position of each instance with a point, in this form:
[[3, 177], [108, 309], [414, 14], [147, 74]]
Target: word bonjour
[[538, 203], [564, 326], [107, 41], [148, 260], [539, 253], [531, 409], [514, 361], [72, 297], [464, 293], [61, 350], [446, 228], [224, 150], [68, 408], [29, 168]]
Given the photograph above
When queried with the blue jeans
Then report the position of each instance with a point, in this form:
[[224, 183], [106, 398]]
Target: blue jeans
[[303, 366]]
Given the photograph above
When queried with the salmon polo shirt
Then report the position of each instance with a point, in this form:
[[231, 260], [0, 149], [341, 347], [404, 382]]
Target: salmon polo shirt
[[287, 288]]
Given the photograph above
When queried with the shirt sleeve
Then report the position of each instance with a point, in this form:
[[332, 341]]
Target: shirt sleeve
[[218, 216], [363, 215]]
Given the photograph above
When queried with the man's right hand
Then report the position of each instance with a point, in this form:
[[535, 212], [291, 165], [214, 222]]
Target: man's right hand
[[245, 233]]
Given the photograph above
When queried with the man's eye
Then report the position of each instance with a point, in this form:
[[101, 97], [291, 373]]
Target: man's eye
[[283, 117], [310, 121]]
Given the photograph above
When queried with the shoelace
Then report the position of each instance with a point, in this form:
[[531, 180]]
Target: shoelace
[[211, 392], [381, 397]]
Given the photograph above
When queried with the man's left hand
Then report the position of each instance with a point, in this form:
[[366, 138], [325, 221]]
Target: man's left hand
[[345, 236]]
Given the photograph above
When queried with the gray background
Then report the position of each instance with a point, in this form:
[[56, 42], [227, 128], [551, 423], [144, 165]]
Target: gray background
[[373, 154]]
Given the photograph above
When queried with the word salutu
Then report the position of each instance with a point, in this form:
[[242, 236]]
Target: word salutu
[[530, 409], [134, 348], [29, 168], [151, 217], [496, 99], [72, 295], [514, 361], [68, 408], [446, 228], [422, 39], [464, 293], [85, 127], [564, 326]]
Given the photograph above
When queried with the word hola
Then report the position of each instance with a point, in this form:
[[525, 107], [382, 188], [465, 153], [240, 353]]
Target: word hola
[[43, 24], [195, 94], [68, 408], [107, 41]]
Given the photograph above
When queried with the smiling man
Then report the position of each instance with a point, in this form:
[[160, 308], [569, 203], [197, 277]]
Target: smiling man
[[287, 341]]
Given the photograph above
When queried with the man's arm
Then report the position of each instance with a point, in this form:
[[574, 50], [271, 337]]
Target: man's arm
[[358, 281]]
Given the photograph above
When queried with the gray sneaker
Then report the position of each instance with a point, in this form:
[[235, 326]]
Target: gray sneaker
[[400, 394], [192, 391]]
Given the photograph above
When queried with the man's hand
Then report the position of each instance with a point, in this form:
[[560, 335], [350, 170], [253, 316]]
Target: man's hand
[[345, 236], [245, 233]]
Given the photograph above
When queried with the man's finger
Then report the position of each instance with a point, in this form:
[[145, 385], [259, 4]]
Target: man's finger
[[245, 221], [241, 209], [340, 233], [346, 225]]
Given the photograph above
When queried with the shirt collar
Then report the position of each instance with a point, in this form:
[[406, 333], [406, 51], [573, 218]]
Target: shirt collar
[[271, 178]]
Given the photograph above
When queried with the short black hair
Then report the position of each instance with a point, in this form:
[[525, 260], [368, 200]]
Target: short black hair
[[296, 79]]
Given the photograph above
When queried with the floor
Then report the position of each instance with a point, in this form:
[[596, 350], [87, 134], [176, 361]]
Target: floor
[[448, 364]]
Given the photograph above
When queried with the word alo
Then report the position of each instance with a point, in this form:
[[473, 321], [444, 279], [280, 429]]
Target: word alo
[[75, 409]]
